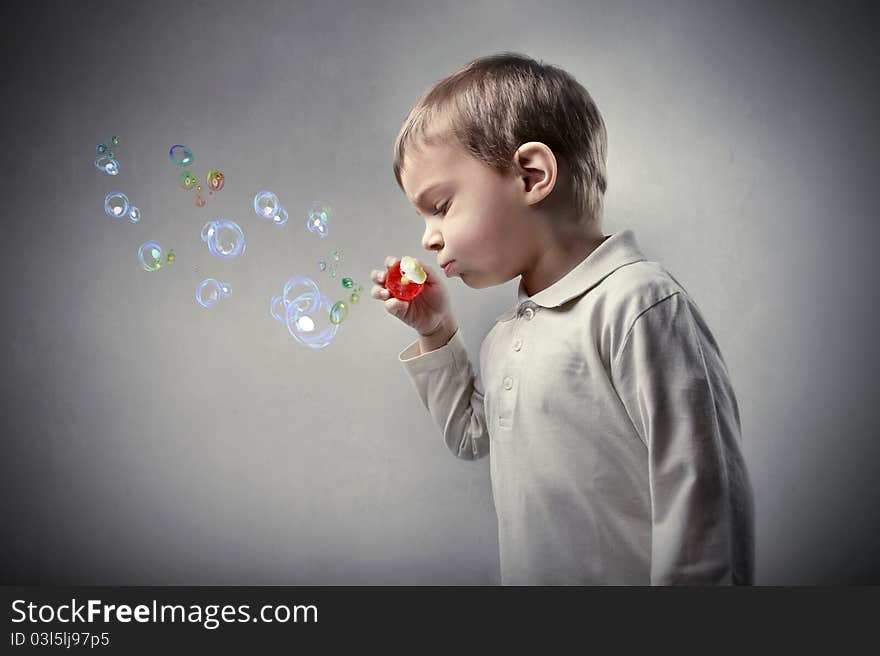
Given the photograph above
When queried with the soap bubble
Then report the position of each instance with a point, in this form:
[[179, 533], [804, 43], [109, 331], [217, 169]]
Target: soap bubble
[[312, 329], [319, 217], [281, 217], [355, 297], [224, 238], [187, 180], [210, 291], [322, 265], [114, 141], [348, 283], [134, 214], [181, 155], [116, 205], [338, 312], [100, 149], [215, 180], [266, 204], [300, 289], [150, 256], [200, 200], [107, 164]]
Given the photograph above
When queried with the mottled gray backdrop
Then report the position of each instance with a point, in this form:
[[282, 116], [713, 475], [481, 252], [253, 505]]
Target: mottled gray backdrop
[[146, 440]]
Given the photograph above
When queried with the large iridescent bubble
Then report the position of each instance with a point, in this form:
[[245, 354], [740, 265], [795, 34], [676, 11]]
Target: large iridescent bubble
[[308, 320], [210, 291], [224, 238], [300, 289]]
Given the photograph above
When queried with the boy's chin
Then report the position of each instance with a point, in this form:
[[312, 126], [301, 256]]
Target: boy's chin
[[480, 281]]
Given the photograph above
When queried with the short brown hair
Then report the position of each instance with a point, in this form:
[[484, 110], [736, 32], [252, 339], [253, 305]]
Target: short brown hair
[[497, 103]]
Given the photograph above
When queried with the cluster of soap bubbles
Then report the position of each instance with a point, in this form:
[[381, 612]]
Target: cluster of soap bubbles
[[106, 160], [210, 291], [224, 238], [183, 156], [267, 206], [152, 256], [330, 267], [116, 206], [355, 289], [319, 218], [311, 318]]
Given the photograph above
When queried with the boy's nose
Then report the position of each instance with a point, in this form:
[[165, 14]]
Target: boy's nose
[[432, 240]]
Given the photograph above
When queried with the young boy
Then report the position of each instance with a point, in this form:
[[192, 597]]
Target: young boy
[[603, 397]]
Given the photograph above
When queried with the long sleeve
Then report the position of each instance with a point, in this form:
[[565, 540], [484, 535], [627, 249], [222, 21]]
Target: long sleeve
[[445, 381], [673, 382]]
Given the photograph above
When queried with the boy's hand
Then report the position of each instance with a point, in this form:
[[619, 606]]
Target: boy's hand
[[429, 313]]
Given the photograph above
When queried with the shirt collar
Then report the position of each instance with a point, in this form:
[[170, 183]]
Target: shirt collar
[[616, 251]]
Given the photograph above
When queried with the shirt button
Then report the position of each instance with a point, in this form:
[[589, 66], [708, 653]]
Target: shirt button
[[517, 345], [508, 382], [529, 313]]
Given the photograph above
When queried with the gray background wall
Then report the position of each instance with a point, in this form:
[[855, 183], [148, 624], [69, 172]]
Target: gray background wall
[[146, 440]]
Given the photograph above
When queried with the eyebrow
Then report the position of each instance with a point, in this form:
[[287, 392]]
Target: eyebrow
[[424, 192]]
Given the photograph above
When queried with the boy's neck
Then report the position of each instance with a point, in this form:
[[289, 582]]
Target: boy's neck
[[559, 254]]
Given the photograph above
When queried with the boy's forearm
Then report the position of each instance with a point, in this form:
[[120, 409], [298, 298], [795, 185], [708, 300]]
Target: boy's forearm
[[439, 337]]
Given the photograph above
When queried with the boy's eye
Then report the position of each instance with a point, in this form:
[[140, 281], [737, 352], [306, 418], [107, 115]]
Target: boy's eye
[[442, 209]]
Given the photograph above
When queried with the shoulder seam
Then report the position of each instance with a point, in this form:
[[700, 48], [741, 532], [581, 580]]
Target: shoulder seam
[[633, 325]]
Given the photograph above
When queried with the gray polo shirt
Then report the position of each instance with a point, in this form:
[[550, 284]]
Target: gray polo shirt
[[612, 429]]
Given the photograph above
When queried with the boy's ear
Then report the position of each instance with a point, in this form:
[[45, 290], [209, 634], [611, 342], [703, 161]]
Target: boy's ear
[[537, 168]]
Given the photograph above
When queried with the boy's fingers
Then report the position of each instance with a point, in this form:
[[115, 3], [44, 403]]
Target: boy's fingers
[[396, 307], [390, 261], [379, 293], [377, 277]]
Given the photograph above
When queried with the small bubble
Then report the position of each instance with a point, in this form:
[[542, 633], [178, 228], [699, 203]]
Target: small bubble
[[134, 215], [266, 204], [338, 312], [348, 283], [116, 204], [107, 165], [355, 297], [224, 238], [210, 291], [114, 140], [322, 265], [181, 155], [100, 149], [186, 180], [215, 180], [281, 217], [150, 256], [200, 200]]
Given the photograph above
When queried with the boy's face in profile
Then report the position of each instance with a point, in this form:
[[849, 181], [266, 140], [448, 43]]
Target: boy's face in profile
[[475, 218]]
